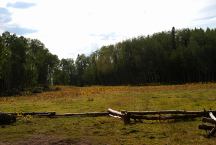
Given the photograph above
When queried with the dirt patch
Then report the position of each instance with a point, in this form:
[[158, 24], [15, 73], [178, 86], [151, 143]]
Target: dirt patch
[[47, 140], [70, 142]]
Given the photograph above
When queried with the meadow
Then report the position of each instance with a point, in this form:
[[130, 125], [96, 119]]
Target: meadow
[[108, 130]]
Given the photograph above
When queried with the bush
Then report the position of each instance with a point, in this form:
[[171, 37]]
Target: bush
[[37, 90]]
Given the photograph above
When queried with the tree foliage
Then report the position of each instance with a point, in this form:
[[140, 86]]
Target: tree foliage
[[24, 63], [176, 56]]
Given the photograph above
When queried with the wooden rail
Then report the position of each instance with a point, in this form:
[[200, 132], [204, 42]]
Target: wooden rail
[[6, 119], [31, 113], [126, 116], [87, 114], [175, 117], [212, 116], [156, 115], [170, 112], [208, 120], [114, 112], [211, 129]]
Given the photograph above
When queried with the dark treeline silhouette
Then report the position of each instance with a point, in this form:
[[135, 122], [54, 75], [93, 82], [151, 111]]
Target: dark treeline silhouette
[[176, 56]]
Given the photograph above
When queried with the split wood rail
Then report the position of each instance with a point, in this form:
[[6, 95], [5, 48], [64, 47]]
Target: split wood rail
[[126, 116], [211, 129], [129, 116]]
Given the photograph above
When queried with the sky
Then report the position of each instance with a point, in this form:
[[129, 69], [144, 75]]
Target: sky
[[71, 27]]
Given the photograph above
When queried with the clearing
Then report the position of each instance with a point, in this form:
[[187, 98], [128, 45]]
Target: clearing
[[107, 130]]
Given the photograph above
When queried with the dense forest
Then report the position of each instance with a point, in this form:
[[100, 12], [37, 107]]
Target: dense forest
[[24, 64], [176, 56]]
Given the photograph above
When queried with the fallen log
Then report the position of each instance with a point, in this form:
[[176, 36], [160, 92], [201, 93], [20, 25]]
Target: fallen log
[[170, 112], [157, 115], [205, 127], [208, 120], [87, 114], [211, 120], [212, 116], [32, 113], [115, 116], [114, 112], [175, 117], [212, 132], [124, 115], [6, 119]]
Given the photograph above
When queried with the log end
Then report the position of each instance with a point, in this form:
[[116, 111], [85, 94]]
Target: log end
[[6, 119]]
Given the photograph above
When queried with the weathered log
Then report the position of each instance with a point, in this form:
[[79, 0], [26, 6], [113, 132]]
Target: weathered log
[[208, 120], [115, 116], [212, 116], [114, 112], [6, 119], [212, 120], [138, 115], [32, 113], [87, 114], [164, 117], [205, 127], [212, 132], [45, 114], [170, 112], [125, 117]]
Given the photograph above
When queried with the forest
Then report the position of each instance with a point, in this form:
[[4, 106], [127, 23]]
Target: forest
[[168, 57]]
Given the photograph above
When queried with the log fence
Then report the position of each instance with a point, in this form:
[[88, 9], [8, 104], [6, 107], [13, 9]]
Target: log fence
[[126, 116], [208, 118], [209, 125]]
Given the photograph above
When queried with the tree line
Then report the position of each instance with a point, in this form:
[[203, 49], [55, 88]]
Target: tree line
[[175, 56], [24, 64]]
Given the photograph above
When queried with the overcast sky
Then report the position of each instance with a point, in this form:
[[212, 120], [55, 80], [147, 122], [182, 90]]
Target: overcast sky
[[69, 27]]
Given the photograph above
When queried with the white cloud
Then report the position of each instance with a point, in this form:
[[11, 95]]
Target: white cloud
[[6, 21], [69, 27], [20, 5]]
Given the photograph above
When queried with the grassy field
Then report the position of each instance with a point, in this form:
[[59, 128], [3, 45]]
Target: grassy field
[[107, 130]]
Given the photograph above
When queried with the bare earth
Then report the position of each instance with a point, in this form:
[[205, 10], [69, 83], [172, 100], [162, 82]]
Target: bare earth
[[48, 140]]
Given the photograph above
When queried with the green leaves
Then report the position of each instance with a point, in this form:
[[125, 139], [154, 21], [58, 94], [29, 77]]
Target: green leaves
[[24, 63]]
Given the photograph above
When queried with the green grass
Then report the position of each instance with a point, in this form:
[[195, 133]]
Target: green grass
[[107, 130]]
